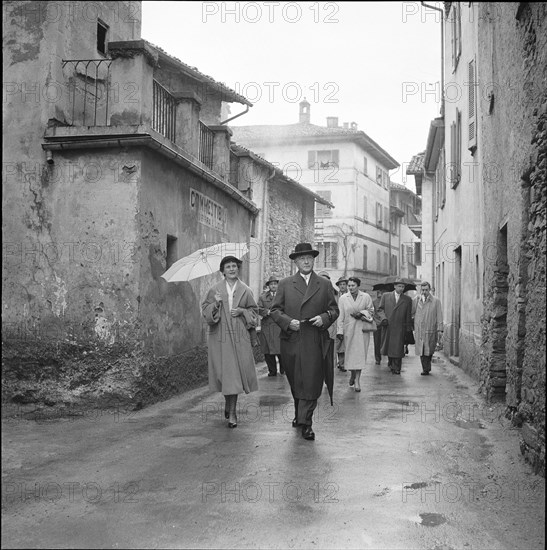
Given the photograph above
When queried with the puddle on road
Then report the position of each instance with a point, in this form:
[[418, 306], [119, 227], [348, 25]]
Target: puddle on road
[[471, 424], [429, 519]]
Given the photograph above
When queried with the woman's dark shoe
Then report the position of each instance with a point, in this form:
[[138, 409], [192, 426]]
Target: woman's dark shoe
[[307, 433], [232, 424]]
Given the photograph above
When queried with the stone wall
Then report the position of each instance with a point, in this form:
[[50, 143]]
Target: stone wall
[[512, 68], [290, 221]]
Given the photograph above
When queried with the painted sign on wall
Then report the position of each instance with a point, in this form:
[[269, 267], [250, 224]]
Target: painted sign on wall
[[210, 213]]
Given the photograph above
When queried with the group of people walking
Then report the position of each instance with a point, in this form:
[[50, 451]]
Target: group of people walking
[[301, 319]]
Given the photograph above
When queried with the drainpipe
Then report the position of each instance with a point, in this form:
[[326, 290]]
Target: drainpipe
[[442, 51], [236, 116]]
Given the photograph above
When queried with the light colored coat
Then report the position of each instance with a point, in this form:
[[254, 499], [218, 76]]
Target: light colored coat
[[307, 353], [428, 319], [230, 354], [356, 341]]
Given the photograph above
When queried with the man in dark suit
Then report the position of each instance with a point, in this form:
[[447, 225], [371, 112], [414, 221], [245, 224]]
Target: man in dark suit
[[269, 330], [397, 309], [304, 308]]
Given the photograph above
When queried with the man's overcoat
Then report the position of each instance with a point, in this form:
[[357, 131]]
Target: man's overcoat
[[428, 319], [306, 353], [230, 354], [399, 318], [270, 332]]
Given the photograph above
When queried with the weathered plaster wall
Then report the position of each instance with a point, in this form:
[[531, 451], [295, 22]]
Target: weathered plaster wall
[[78, 277], [169, 313], [514, 144]]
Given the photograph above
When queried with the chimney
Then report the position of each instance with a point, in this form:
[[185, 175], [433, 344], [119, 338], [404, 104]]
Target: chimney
[[332, 122], [304, 112], [346, 125], [354, 126]]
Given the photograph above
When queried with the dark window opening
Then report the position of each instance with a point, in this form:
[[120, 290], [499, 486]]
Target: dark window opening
[[171, 256], [102, 29]]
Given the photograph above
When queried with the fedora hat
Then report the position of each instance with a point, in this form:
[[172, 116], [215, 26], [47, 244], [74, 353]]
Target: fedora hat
[[227, 259], [324, 274], [272, 279], [341, 280], [303, 248], [399, 281]]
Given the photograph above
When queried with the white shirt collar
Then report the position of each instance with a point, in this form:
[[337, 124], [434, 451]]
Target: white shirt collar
[[306, 277]]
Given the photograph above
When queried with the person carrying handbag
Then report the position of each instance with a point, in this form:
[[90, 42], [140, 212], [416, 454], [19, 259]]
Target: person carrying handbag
[[354, 328]]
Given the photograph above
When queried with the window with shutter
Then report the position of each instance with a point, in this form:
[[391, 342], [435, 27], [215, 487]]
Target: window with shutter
[[322, 210], [365, 209], [378, 214], [386, 266], [378, 175], [472, 122], [365, 256], [311, 159], [455, 14], [365, 167], [378, 266]]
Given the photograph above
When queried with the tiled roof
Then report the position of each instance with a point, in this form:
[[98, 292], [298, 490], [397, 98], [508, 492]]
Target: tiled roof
[[416, 165], [236, 148], [227, 93], [302, 131]]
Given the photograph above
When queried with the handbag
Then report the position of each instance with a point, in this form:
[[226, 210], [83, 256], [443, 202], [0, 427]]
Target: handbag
[[368, 325]]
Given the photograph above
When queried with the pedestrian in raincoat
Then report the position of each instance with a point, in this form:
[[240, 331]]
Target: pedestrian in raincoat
[[304, 308], [428, 326], [269, 335], [355, 307], [232, 315], [342, 285], [396, 308]]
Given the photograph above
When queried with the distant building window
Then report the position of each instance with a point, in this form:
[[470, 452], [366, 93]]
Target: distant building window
[[102, 30], [322, 210], [393, 267], [456, 21], [386, 218], [379, 211], [365, 257], [365, 209], [382, 177], [378, 265], [386, 267], [321, 160], [456, 150], [328, 255], [365, 166]]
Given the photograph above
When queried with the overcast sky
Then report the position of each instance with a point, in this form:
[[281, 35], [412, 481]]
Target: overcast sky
[[373, 63]]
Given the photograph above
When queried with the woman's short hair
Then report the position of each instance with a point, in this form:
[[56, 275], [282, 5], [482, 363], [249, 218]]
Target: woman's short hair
[[356, 280], [228, 259]]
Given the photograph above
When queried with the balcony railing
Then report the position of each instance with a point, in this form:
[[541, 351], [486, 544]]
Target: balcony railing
[[164, 113], [206, 139], [89, 91]]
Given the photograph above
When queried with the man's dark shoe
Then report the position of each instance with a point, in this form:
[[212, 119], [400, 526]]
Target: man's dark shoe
[[272, 374], [378, 362], [424, 373], [395, 372], [295, 423], [307, 433]]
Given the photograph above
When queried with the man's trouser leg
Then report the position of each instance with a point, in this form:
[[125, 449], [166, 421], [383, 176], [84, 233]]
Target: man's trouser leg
[[305, 410], [426, 362], [270, 361], [396, 364], [378, 345]]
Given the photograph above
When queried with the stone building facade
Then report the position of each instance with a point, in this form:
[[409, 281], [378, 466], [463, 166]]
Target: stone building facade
[[494, 137], [512, 60]]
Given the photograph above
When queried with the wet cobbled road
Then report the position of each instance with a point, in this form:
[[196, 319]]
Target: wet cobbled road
[[410, 462]]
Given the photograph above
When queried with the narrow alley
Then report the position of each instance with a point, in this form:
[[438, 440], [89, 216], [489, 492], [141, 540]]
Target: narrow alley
[[410, 462]]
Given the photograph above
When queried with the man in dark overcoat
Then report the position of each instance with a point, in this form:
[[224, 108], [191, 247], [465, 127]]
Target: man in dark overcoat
[[397, 309], [304, 308], [270, 332]]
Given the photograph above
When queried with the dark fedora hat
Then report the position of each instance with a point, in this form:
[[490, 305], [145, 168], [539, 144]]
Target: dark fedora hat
[[303, 248], [227, 259], [341, 280], [272, 279]]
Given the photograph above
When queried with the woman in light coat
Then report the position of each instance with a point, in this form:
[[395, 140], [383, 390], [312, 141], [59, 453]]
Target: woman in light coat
[[354, 306], [232, 315]]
